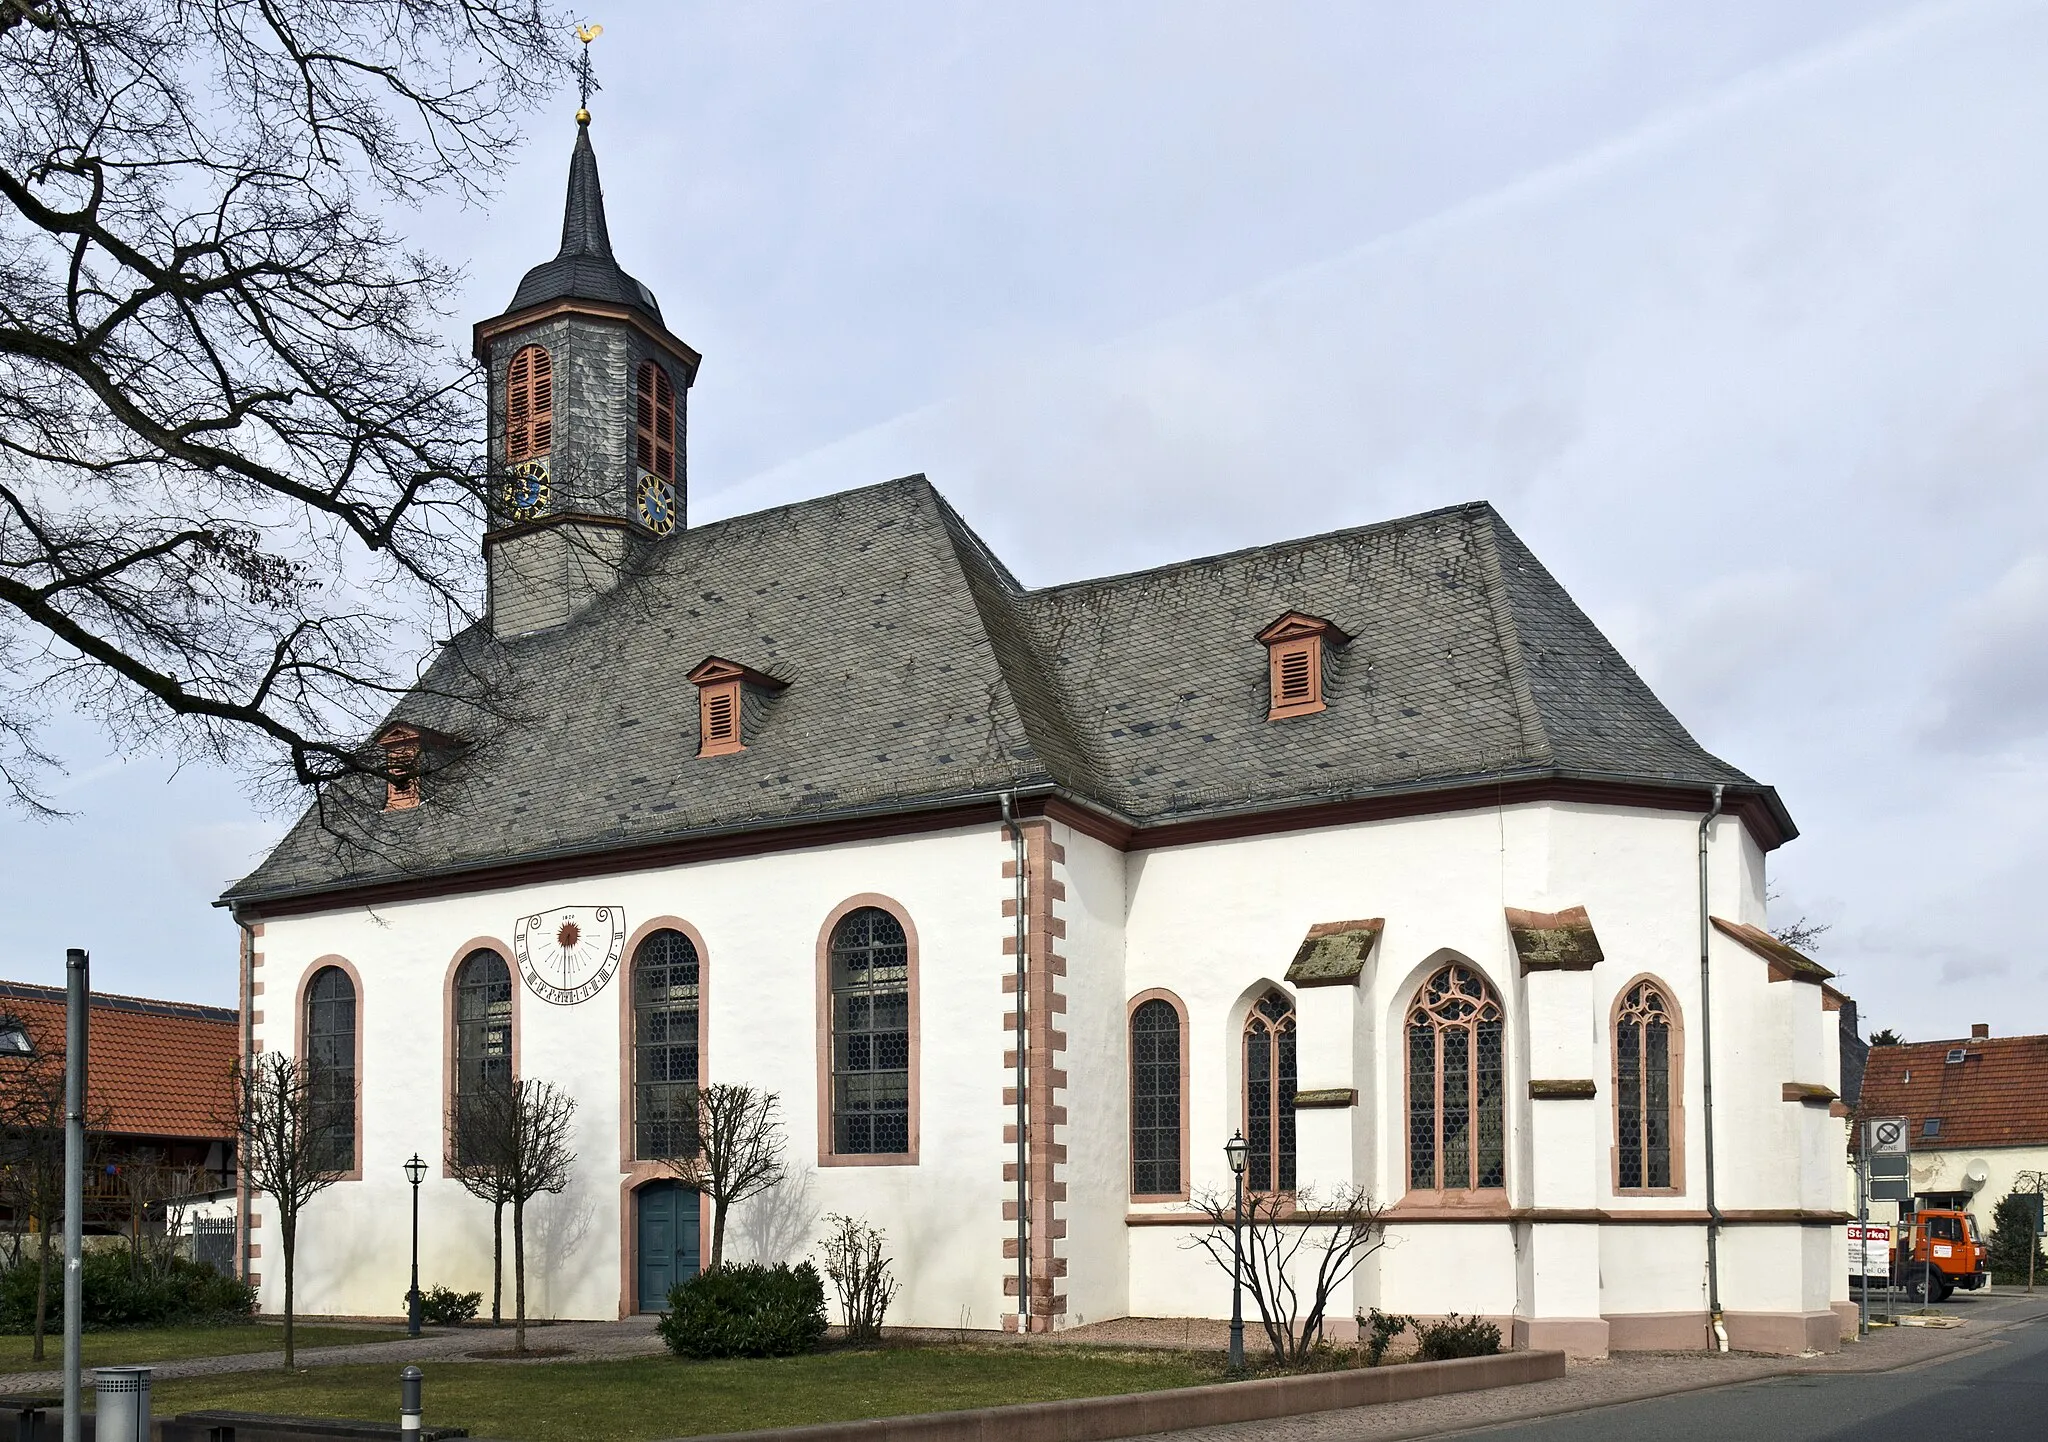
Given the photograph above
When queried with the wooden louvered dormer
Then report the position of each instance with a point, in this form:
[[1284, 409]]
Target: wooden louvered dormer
[[1296, 647], [722, 688]]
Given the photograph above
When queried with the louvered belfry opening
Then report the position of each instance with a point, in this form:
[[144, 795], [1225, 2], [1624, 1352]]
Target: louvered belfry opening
[[1296, 647], [655, 422], [529, 405], [722, 707]]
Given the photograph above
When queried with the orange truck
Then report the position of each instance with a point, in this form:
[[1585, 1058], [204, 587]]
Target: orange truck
[[1936, 1251]]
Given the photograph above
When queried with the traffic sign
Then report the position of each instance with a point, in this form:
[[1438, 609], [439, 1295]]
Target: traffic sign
[[1891, 1189], [1885, 1135], [1890, 1167]]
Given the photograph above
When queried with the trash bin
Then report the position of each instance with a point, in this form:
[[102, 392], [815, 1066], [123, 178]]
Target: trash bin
[[122, 1412]]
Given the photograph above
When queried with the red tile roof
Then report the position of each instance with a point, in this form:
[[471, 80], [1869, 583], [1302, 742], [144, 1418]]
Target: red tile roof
[[1996, 1096], [155, 1068]]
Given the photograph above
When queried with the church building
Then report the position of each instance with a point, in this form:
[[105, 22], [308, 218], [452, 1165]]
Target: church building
[[1367, 846]]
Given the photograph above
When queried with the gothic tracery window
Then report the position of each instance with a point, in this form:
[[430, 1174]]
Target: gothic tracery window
[[330, 1065], [1269, 1094], [1642, 1088], [665, 1045], [1457, 1084], [1156, 1083], [483, 1027], [870, 961]]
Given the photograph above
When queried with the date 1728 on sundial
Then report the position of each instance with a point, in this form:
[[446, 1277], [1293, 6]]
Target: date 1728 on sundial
[[568, 954]]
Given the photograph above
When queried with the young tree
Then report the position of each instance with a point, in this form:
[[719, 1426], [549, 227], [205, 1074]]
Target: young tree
[[32, 1159], [473, 1142], [238, 449], [2013, 1237], [1288, 1244], [734, 1152], [288, 1148], [516, 1146], [859, 1270]]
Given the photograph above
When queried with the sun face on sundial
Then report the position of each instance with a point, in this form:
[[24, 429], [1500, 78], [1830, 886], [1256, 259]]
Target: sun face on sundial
[[568, 954]]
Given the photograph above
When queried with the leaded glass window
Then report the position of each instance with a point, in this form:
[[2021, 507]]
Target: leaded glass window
[[1155, 1099], [1642, 1088], [483, 1026], [665, 1021], [330, 1066], [870, 960], [1457, 1084], [1269, 1094]]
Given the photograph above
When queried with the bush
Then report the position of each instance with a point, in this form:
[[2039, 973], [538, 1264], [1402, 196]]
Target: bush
[[746, 1310], [859, 1270], [1379, 1331], [444, 1306], [1456, 1337], [2012, 1232], [118, 1295]]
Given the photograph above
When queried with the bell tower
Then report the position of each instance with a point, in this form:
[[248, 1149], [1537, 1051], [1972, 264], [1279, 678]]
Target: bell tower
[[588, 411]]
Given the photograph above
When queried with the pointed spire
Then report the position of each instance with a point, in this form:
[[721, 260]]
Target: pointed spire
[[583, 227], [584, 268]]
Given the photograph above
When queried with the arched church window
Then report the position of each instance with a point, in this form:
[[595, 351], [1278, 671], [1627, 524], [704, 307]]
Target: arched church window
[[870, 961], [1269, 1094], [1457, 1084], [1643, 1093], [483, 1029], [1158, 1079], [330, 1065], [665, 1046], [529, 405]]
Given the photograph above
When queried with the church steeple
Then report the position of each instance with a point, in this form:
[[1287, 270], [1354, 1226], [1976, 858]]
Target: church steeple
[[588, 419]]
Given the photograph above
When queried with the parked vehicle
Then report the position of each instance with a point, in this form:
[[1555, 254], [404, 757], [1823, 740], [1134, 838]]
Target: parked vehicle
[[1937, 1251]]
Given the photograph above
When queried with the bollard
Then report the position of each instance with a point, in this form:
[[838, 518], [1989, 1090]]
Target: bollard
[[409, 1404]]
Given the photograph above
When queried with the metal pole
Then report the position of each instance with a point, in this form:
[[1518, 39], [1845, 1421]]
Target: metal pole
[[1863, 1239], [1237, 1281], [409, 1404], [77, 993], [412, 1298]]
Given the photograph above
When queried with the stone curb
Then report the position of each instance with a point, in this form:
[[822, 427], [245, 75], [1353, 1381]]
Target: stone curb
[[1093, 1419]]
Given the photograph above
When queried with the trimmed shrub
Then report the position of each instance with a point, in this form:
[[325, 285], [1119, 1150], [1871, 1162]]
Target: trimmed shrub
[[1379, 1331], [117, 1295], [1457, 1336], [746, 1310], [444, 1306]]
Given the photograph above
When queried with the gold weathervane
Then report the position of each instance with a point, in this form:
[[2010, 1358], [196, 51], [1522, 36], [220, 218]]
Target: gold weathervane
[[585, 81]]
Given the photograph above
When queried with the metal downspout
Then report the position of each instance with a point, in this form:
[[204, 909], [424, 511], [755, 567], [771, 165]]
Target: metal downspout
[[1023, 1110], [243, 1199], [1715, 1318]]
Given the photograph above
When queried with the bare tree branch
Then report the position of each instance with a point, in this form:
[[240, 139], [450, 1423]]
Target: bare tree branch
[[734, 1151], [1295, 1254]]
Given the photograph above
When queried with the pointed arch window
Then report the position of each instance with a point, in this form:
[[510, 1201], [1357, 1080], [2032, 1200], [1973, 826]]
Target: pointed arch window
[[870, 960], [483, 1027], [1457, 1084], [655, 422], [529, 405], [1269, 1079], [330, 1065], [1158, 1098], [666, 1017], [1644, 1097]]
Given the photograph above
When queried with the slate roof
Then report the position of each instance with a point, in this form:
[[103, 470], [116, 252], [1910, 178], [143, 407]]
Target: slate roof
[[920, 672], [584, 268], [154, 1068], [1997, 1096]]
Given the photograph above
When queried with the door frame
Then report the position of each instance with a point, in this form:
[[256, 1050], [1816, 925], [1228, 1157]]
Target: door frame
[[629, 1234]]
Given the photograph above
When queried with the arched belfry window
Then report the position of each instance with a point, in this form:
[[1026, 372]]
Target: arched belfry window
[[1269, 1094], [330, 1065], [483, 1027], [1643, 1093], [655, 422], [870, 961], [529, 405], [1457, 1084], [1158, 1083], [666, 977]]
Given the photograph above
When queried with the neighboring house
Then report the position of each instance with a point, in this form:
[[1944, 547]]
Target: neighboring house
[[1368, 845], [160, 1085], [1976, 1113]]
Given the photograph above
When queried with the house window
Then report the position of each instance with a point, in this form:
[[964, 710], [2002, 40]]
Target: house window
[[330, 1066], [1269, 1094], [483, 1029], [1456, 1084], [655, 422], [529, 405], [1296, 647], [665, 1048], [1931, 1127], [1157, 1079], [1643, 1097], [870, 961]]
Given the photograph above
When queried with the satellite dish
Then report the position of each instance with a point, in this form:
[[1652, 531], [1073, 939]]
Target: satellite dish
[[1976, 1174]]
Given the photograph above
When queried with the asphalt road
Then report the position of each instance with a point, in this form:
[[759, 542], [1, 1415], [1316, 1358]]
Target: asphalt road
[[1997, 1393]]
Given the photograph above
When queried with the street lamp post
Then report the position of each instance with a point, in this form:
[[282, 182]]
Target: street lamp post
[[1236, 1149], [415, 1172]]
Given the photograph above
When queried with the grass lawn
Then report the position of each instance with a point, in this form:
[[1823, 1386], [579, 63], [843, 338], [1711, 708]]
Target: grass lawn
[[651, 1397], [166, 1344]]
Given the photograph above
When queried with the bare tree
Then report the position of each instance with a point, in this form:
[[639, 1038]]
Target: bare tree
[[734, 1152], [290, 1146], [475, 1127], [859, 1270], [516, 1139], [238, 449], [1295, 1254], [32, 1151], [158, 1194]]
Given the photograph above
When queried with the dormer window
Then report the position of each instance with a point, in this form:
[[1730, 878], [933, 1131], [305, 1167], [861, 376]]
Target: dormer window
[[1296, 648], [723, 688], [401, 768]]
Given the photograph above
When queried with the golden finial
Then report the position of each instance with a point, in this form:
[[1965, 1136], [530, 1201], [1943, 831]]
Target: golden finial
[[585, 81]]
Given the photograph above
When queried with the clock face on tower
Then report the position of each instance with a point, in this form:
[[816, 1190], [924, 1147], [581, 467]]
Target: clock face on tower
[[657, 501], [568, 954]]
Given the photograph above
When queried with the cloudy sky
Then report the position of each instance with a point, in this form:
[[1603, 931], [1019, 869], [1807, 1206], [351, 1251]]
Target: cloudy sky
[[1739, 313]]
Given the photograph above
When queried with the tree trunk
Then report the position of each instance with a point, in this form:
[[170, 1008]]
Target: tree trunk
[[498, 1263], [287, 1226], [42, 1290], [519, 1274], [717, 1233]]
